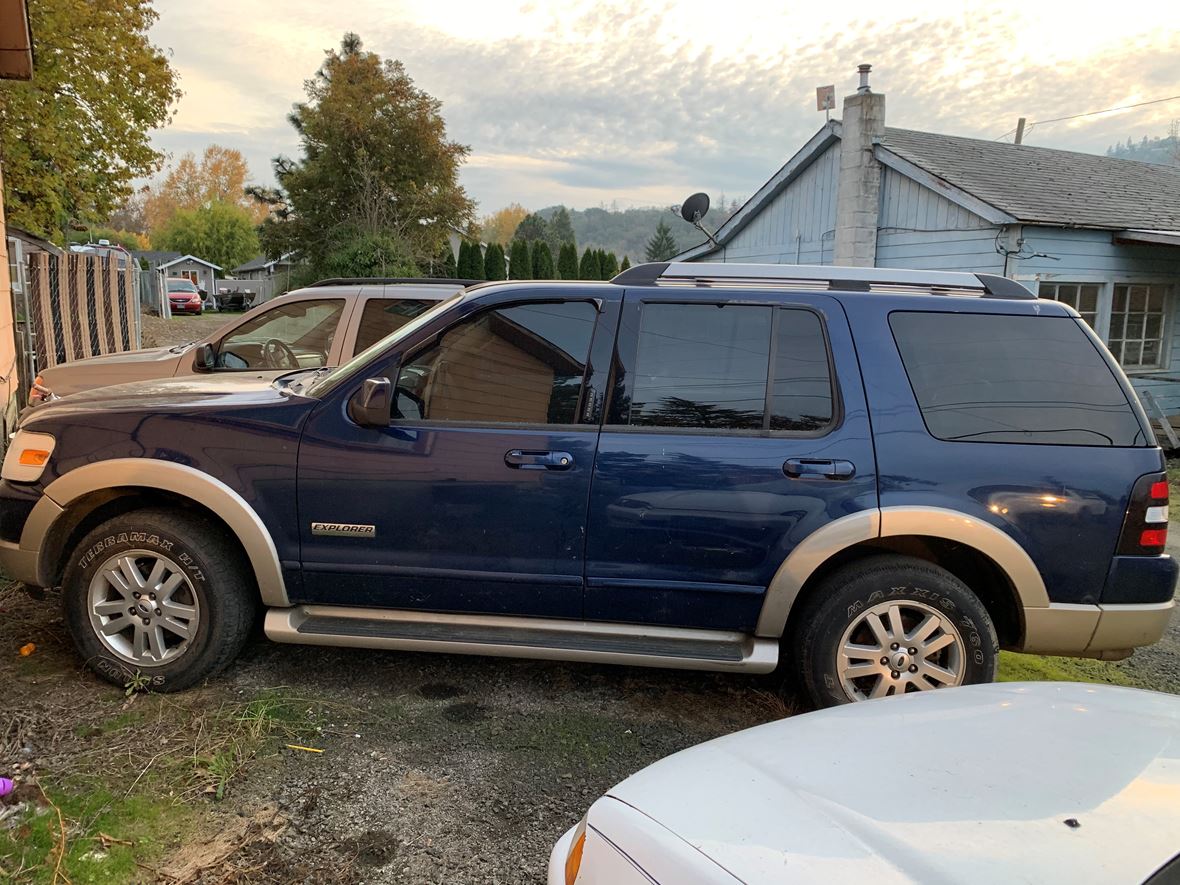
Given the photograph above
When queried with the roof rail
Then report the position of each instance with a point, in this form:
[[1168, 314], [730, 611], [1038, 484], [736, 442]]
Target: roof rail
[[387, 281], [805, 276]]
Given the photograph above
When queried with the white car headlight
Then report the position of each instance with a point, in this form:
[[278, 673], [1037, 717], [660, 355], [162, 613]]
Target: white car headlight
[[28, 453]]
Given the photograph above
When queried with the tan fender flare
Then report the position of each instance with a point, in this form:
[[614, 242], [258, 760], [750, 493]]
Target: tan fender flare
[[179, 479], [934, 522]]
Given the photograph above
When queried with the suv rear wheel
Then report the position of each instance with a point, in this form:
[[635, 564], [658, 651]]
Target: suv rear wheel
[[157, 599], [889, 625]]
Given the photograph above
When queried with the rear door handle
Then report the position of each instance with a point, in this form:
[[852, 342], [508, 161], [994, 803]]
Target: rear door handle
[[799, 468], [522, 460]]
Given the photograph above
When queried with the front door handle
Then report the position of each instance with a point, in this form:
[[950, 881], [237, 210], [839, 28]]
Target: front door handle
[[522, 460], [801, 468]]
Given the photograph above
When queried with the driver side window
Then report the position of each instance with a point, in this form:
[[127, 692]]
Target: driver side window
[[296, 335]]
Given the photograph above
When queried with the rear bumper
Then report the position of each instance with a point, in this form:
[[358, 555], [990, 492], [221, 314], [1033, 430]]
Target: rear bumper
[[1094, 631]]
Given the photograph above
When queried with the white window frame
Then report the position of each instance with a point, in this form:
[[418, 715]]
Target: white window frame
[[1106, 284]]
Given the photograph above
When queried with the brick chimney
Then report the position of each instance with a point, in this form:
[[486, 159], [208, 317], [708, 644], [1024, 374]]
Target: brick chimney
[[859, 190]]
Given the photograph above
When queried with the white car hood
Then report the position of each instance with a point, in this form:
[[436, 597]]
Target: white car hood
[[975, 784]]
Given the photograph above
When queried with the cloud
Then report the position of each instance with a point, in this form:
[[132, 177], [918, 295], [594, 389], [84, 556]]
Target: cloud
[[612, 102]]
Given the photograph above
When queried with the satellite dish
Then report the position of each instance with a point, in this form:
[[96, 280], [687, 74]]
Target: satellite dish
[[694, 208]]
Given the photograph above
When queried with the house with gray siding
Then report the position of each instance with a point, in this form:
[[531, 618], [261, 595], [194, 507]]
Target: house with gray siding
[[1099, 233]]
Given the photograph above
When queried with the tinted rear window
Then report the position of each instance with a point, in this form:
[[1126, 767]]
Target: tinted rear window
[[1011, 379]]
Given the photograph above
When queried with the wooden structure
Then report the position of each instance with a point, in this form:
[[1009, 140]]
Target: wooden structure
[[81, 305]]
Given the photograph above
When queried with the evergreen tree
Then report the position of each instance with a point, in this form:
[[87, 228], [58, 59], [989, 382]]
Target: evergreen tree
[[520, 267], [561, 231], [542, 262], [534, 227], [493, 263], [661, 247], [588, 268], [443, 265], [610, 265], [625, 265], [567, 261], [463, 268]]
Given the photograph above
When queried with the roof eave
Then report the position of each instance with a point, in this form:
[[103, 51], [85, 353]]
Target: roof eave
[[828, 134], [941, 186]]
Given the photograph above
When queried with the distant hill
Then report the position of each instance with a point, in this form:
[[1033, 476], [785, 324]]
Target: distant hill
[[1164, 150], [626, 231]]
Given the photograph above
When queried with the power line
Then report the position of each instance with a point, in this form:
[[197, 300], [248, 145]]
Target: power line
[[1125, 107]]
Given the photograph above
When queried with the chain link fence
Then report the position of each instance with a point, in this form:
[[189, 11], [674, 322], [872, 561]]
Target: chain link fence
[[80, 305]]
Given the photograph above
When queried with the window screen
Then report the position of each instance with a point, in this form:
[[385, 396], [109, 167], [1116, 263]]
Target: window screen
[[520, 365], [707, 366], [382, 316], [1012, 379]]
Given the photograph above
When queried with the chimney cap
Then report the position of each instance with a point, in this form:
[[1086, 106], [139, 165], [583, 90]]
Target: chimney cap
[[863, 70]]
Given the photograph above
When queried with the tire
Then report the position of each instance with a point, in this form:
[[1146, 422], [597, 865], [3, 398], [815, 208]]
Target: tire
[[856, 605], [196, 573]]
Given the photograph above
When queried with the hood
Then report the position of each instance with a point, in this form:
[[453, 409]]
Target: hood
[[971, 784], [115, 368], [166, 394]]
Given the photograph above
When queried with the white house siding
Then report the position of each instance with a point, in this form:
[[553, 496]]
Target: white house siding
[[1092, 256], [923, 230], [797, 226]]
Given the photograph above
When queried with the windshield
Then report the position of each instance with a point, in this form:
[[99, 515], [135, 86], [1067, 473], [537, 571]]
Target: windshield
[[330, 380]]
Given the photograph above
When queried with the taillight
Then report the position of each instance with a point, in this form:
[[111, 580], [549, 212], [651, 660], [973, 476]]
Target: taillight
[[1145, 527]]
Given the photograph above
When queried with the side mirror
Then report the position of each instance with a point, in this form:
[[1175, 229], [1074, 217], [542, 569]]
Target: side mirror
[[204, 358], [371, 405]]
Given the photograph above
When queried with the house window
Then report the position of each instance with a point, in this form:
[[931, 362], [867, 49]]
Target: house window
[[1137, 325], [1082, 297]]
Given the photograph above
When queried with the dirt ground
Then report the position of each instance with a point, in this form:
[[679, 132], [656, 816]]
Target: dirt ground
[[158, 332]]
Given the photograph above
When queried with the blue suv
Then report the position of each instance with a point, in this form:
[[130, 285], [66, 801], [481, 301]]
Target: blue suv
[[875, 478]]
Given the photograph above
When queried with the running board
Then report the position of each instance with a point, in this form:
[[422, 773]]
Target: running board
[[632, 644]]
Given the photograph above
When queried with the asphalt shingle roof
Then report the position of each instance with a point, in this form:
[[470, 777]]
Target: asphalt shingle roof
[[1037, 184], [253, 264]]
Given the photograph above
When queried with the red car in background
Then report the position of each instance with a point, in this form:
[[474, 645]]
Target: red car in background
[[184, 296]]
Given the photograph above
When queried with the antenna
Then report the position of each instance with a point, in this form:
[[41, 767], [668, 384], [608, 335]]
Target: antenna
[[693, 210], [825, 100]]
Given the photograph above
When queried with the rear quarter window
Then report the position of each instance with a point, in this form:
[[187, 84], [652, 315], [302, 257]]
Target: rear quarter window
[[1013, 379]]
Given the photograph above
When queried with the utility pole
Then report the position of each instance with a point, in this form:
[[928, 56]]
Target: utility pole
[[1019, 131]]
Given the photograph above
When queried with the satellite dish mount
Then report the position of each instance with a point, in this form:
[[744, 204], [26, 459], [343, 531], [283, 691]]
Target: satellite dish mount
[[693, 210]]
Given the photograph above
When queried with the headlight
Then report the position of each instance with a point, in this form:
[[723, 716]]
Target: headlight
[[27, 455]]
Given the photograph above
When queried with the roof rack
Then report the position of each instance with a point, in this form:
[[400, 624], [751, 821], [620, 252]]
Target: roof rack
[[805, 276], [387, 281]]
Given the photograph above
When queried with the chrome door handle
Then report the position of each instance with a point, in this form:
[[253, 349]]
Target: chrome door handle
[[522, 460], [818, 468]]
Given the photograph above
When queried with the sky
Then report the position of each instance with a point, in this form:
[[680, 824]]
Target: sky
[[641, 103]]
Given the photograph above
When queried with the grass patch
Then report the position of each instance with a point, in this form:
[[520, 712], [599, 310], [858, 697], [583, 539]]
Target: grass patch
[[1037, 668], [107, 835]]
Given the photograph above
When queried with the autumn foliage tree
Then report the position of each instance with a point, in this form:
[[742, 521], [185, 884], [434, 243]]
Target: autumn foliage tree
[[218, 177], [375, 160], [500, 226], [74, 138], [223, 233]]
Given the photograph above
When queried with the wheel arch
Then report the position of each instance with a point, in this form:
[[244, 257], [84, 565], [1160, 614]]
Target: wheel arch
[[111, 487], [991, 563]]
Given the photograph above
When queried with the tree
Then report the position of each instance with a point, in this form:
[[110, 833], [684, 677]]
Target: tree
[[520, 266], [610, 265], [661, 247], [542, 262], [493, 263], [369, 255], [219, 176], [443, 266], [470, 261], [567, 261], [533, 227], [222, 233], [375, 160], [625, 265], [500, 226], [588, 268], [561, 230], [74, 138]]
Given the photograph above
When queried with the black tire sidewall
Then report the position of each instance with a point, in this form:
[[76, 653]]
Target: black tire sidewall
[[844, 597], [141, 531]]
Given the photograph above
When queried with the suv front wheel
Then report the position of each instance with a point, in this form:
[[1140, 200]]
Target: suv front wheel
[[157, 599], [889, 625]]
